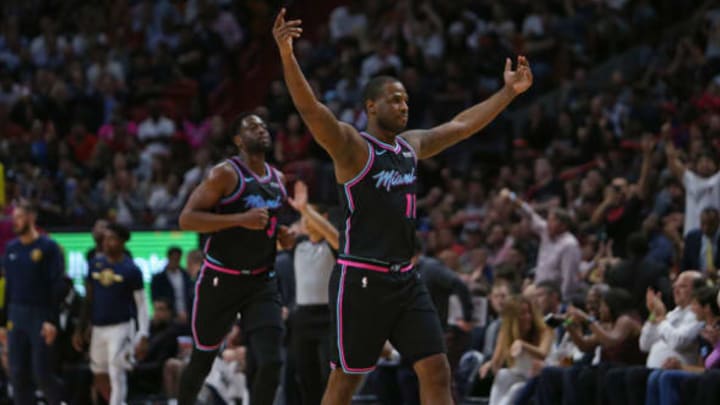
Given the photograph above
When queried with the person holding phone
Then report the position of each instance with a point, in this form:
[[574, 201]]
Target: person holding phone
[[620, 211]]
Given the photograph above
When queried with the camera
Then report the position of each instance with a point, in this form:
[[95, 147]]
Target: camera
[[554, 320]]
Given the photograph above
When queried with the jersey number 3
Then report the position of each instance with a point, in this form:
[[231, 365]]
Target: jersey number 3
[[272, 226]]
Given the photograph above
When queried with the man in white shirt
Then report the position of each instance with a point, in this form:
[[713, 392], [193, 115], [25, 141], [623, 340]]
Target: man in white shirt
[[702, 184], [559, 253], [665, 335], [155, 133], [672, 334]]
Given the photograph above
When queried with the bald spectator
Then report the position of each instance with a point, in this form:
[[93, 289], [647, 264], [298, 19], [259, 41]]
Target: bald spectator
[[665, 335]]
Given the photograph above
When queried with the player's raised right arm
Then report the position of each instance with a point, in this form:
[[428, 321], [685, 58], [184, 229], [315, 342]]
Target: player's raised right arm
[[197, 214], [339, 139]]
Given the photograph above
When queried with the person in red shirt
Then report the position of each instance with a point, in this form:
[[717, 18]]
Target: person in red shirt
[[81, 142]]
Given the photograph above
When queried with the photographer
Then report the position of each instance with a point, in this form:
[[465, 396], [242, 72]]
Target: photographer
[[614, 331], [564, 352], [620, 211]]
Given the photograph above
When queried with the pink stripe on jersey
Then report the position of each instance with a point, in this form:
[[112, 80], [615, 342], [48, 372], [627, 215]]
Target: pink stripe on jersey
[[372, 267]]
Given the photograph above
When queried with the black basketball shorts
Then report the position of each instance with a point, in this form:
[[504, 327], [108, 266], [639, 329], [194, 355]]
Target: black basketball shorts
[[219, 297], [370, 307]]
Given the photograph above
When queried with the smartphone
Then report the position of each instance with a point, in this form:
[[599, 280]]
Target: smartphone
[[554, 320]]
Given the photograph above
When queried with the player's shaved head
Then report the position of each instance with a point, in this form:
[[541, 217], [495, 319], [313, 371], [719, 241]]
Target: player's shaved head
[[374, 88]]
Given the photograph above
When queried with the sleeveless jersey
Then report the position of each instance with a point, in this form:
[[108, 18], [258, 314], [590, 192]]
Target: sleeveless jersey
[[379, 205], [241, 248]]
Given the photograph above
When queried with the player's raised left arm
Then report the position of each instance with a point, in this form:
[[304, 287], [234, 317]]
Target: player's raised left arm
[[429, 142]]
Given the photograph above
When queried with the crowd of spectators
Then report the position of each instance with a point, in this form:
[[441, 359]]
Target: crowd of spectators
[[117, 110]]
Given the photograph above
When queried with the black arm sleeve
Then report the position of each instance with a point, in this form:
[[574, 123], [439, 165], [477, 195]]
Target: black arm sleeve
[[447, 279], [463, 293]]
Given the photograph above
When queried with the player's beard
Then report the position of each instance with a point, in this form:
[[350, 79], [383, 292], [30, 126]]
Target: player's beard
[[258, 147], [390, 125], [22, 230]]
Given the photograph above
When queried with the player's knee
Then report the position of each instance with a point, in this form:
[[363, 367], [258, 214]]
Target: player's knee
[[172, 366], [345, 382], [434, 371]]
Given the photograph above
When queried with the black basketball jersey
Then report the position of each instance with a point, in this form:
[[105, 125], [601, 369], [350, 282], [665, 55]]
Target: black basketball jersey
[[240, 248], [379, 204]]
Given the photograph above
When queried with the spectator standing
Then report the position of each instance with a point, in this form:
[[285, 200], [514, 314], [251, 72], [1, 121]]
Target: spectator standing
[[33, 265], [559, 253], [174, 285], [314, 259], [115, 297], [702, 184], [702, 248]]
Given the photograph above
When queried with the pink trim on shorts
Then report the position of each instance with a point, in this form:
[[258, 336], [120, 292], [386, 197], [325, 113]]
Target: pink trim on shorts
[[194, 316], [341, 348], [372, 267], [233, 271]]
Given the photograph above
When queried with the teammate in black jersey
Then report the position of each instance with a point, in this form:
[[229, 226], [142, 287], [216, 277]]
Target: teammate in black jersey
[[375, 295], [237, 205]]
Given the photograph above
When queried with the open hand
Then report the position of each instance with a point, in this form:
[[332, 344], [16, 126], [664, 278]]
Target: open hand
[[285, 31], [299, 200], [650, 300], [520, 79]]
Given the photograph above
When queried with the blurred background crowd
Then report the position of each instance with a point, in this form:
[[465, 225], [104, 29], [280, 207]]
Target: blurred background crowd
[[116, 110]]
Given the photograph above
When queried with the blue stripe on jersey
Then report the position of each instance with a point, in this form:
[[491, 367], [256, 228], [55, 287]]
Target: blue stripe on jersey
[[239, 188]]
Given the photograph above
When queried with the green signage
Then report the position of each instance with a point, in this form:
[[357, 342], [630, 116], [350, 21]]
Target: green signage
[[148, 248]]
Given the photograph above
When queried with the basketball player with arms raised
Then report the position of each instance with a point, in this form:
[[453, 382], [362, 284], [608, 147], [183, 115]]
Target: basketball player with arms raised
[[375, 294]]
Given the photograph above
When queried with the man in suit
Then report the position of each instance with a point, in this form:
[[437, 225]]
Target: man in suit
[[174, 285], [702, 246]]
